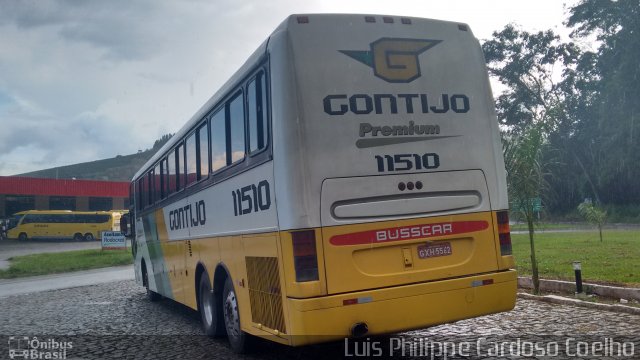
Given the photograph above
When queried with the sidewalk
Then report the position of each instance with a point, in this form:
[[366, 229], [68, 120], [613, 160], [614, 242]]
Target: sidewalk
[[33, 284], [567, 288]]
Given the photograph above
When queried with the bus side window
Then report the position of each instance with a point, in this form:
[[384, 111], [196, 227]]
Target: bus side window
[[150, 188], [165, 178], [171, 172], [157, 181], [191, 160], [203, 151], [218, 141], [235, 110], [256, 105], [144, 192], [131, 194], [181, 175]]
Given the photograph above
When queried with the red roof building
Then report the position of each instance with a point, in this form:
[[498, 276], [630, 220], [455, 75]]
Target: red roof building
[[23, 193]]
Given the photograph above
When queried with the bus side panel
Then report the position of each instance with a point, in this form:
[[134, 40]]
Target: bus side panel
[[173, 252], [208, 227], [150, 251]]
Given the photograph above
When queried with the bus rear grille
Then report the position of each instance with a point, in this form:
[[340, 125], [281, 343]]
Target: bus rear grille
[[264, 292]]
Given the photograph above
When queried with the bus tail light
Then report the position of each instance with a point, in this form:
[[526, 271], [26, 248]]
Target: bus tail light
[[504, 232], [305, 257]]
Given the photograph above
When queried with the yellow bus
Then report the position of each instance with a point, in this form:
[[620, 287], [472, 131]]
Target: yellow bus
[[347, 180], [63, 224]]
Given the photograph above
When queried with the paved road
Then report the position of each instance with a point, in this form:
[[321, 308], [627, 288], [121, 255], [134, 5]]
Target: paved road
[[63, 281], [11, 248], [114, 320]]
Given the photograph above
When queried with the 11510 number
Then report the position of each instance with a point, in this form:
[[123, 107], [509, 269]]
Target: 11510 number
[[251, 198], [404, 162]]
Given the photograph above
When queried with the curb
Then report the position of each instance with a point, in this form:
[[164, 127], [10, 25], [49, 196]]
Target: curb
[[554, 299], [570, 287]]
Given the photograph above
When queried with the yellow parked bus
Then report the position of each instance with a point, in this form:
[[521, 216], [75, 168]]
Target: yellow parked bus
[[63, 224], [347, 180]]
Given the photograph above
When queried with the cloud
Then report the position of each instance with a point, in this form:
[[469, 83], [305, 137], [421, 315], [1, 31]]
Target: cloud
[[84, 80]]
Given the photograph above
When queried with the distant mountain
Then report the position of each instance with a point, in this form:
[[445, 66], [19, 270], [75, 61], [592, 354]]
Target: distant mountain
[[119, 168]]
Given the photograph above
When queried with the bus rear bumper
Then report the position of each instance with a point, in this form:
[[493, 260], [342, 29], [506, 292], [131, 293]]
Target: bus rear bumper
[[401, 308]]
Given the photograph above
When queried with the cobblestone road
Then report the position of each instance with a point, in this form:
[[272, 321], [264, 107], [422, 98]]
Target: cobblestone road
[[115, 320]]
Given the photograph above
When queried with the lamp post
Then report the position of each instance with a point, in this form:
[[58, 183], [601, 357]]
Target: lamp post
[[577, 268]]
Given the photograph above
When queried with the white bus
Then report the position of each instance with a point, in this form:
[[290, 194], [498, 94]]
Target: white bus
[[347, 180]]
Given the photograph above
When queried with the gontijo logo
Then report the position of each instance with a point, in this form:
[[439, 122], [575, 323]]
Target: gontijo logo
[[393, 60]]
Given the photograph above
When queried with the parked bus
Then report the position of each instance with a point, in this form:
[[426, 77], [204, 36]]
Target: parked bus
[[63, 224], [347, 180]]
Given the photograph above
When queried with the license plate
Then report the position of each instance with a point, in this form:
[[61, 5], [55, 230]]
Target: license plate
[[434, 250]]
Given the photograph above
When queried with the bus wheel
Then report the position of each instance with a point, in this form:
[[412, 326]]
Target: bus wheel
[[22, 237], [237, 338], [88, 237], [77, 237], [151, 295], [212, 322]]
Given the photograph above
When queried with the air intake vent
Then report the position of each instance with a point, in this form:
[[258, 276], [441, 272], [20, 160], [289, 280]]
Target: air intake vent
[[264, 292]]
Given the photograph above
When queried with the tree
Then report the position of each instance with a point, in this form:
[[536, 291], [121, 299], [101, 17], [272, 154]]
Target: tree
[[523, 153], [159, 142], [533, 67], [593, 214], [607, 110]]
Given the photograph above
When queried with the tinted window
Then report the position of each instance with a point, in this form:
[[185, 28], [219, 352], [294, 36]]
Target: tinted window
[[62, 203], [256, 105], [165, 177], [236, 124], [150, 188], [218, 141], [171, 172], [203, 152], [192, 161], [144, 191], [181, 176], [157, 184], [100, 203]]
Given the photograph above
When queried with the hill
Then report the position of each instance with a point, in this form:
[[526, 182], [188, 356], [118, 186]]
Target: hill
[[119, 168]]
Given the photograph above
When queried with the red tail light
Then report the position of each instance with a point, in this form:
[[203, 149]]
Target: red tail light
[[305, 257], [504, 232]]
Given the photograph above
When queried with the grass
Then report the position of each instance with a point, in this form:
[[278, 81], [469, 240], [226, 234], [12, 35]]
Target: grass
[[550, 226], [613, 261], [51, 263]]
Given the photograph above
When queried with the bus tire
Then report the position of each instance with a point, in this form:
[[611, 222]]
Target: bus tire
[[89, 237], [151, 295], [78, 237], [23, 237], [238, 339], [209, 307]]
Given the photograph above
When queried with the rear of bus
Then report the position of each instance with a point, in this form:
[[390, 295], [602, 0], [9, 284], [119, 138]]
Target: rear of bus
[[389, 176]]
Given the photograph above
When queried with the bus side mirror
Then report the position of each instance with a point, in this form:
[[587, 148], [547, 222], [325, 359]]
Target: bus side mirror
[[124, 226]]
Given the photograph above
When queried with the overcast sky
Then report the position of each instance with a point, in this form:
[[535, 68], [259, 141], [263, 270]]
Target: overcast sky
[[88, 80]]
